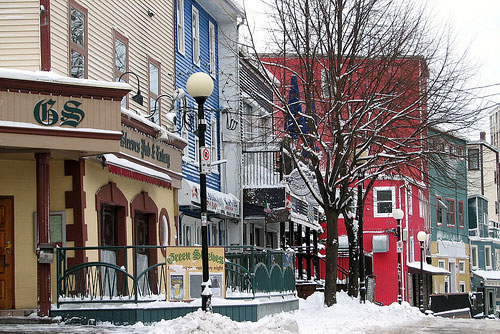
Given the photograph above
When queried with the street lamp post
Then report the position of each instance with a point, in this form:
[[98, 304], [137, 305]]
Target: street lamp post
[[200, 86], [421, 236], [398, 214]]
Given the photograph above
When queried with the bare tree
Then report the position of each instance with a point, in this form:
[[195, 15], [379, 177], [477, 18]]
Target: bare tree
[[373, 76]]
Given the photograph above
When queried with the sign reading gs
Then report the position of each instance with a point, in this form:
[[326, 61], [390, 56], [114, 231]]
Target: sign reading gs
[[71, 115]]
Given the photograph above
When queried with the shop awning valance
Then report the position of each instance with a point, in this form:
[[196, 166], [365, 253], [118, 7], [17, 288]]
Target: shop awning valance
[[217, 202], [135, 171]]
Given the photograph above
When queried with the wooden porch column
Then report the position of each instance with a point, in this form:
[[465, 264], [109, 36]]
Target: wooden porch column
[[315, 254], [282, 235], [308, 252], [43, 218], [300, 257]]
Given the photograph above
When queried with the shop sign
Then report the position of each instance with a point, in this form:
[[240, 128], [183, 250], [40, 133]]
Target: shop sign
[[216, 201], [70, 115], [184, 268], [144, 147]]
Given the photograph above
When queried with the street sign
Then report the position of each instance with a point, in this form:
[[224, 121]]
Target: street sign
[[400, 246], [205, 160]]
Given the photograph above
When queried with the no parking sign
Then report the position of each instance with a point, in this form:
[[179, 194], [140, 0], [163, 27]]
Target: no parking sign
[[205, 160]]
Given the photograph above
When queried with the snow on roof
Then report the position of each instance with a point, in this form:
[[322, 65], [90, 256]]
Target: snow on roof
[[428, 268], [487, 274], [58, 128], [52, 77]]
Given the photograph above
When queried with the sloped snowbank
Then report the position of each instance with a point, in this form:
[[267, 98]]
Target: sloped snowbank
[[347, 316]]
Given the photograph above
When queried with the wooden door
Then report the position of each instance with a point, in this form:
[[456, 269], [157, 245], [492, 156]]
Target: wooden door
[[6, 253]]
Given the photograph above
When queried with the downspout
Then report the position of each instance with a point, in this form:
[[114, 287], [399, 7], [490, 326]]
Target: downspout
[[240, 115]]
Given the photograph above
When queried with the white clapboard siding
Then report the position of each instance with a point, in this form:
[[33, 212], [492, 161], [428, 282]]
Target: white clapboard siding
[[148, 36], [20, 34]]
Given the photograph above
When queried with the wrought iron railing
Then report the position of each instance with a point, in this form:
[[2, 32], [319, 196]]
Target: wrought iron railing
[[256, 271], [106, 277]]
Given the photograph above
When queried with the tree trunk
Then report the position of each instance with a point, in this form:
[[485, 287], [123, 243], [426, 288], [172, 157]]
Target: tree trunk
[[352, 289], [332, 248]]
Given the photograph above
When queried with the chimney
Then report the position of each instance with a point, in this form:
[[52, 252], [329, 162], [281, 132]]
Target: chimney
[[482, 136]]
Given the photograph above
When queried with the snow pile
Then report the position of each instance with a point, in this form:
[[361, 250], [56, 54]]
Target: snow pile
[[347, 316]]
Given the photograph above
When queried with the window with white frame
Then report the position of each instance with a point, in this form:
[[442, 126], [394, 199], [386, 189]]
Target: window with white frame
[[461, 267], [497, 259], [462, 286], [410, 200], [195, 20], [421, 203], [487, 257], [154, 90], [384, 201], [447, 285], [441, 264], [211, 46], [474, 256], [181, 43]]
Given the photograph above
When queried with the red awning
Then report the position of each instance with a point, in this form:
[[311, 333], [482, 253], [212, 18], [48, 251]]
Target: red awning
[[134, 171]]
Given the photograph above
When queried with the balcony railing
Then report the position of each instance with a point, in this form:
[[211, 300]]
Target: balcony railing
[[261, 165]]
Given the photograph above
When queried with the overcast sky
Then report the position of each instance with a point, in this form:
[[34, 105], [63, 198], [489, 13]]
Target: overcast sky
[[477, 25]]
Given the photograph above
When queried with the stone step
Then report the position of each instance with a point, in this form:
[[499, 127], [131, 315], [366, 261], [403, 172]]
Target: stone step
[[16, 313]]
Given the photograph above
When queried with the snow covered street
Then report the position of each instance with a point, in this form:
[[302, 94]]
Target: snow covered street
[[348, 316]]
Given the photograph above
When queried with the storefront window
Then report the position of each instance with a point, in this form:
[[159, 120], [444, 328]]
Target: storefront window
[[108, 226]]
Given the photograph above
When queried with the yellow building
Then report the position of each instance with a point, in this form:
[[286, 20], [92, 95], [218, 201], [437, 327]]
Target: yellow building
[[83, 163]]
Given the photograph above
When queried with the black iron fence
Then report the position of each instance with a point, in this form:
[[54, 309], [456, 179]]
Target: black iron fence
[[107, 275]]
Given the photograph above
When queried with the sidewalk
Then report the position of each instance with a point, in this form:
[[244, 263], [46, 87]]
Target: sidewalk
[[27, 316]]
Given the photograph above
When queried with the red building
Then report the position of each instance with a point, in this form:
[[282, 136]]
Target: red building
[[405, 190]]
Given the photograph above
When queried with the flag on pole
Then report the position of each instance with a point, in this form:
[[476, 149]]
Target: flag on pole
[[288, 202], [267, 208]]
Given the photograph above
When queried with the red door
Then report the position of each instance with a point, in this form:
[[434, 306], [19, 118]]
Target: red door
[[6, 253]]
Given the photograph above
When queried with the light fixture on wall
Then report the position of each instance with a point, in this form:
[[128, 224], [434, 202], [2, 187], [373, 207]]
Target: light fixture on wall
[[137, 98]]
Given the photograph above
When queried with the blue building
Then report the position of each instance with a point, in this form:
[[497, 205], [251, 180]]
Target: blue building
[[448, 212], [199, 26]]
